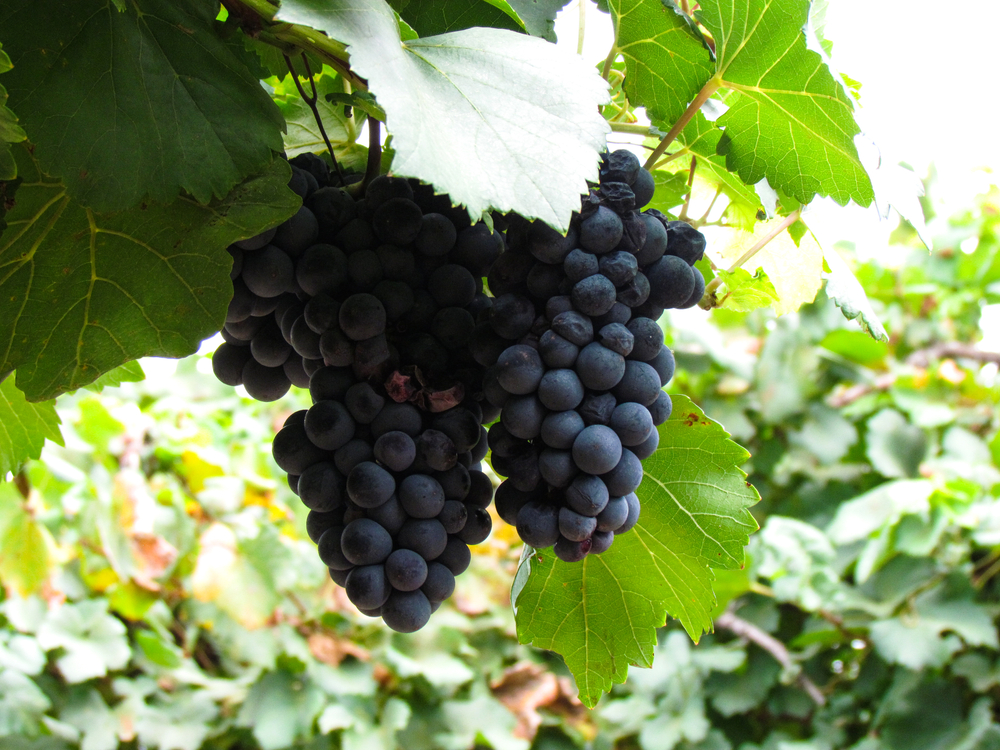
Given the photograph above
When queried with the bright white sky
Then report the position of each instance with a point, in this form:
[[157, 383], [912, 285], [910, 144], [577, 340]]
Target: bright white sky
[[926, 92]]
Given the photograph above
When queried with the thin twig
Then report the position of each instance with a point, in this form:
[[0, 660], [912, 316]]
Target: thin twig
[[311, 102], [750, 632], [703, 96], [781, 227], [704, 217], [955, 349], [683, 216], [582, 27], [609, 61]]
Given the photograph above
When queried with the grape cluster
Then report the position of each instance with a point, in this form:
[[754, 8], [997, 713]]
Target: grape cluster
[[371, 305], [576, 361]]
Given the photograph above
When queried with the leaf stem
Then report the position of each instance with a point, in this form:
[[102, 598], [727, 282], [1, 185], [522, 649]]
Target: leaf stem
[[781, 227], [374, 166], [703, 96], [311, 102], [704, 217], [581, 30], [610, 60], [633, 128], [683, 216]]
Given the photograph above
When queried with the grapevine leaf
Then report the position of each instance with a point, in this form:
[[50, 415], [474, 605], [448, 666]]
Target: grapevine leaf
[[303, 134], [789, 119], [24, 427], [667, 64], [94, 641], [745, 292], [130, 372], [848, 294], [10, 131], [145, 103], [538, 16], [794, 271], [82, 293], [429, 17], [601, 614], [25, 544], [473, 112]]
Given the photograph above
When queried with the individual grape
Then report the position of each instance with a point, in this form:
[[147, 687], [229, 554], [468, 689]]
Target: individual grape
[[648, 338], [613, 515], [436, 450], [331, 550], [363, 402], [293, 451], [351, 454], [620, 165], [509, 501], [640, 383], [265, 383], [257, 241], [460, 425], [587, 495], [440, 582], [421, 496], [371, 356], [524, 473], [597, 449], [477, 248], [451, 285], [538, 524], [437, 235], [321, 487], [337, 350], [509, 273], [493, 392], [322, 268], [365, 542], [599, 368], [580, 264], [601, 231], [389, 515], [364, 269], [367, 586], [329, 425], [643, 187], [269, 347], [574, 327], [594, 295], [362, 316], [570, 552], [574, 526], [268, 272], [512, 316], [296, 419], [304, 340], [619, 267], [398, 264], [557, 467], [244, 330], [664, 365], [485, 345], [632, 422], [646, 449], [548, 245], [697, 294], [295, 371], [480, 493], [685, 242], [656, 241], [634, 293], [384, 187], [317, 523], [264, 306], [617, 338], [330, 383], [619, 313], [396, 450], [406, 611], [557, 352], [626, 476], [520, 369], [560, 390], [297, 233], [453, 516], [597, 408], [353, 511], [406, 570], [356, 235], [425, 536], [453, 327], [396, 297], [228, 362], [560, 429], [503, 443], [545, 281], [339, 577], [633, 514], [333, 208], [523, 415], [660, 409], [321, 313], [671, 281], [397, 221], [369, 485], [286, 316], [241, 305], [477, 528], [559, 304]]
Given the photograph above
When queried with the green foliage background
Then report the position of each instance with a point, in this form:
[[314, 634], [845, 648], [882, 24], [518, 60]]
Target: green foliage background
[[160, 590]]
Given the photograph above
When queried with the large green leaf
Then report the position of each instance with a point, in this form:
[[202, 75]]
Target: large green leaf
[[92, 640], [10, 131], [539, 16], [24, 427], [496, 119], [667, 64], [137, 104], [601, 614], [81, 292], [791, 120], [429, 17]]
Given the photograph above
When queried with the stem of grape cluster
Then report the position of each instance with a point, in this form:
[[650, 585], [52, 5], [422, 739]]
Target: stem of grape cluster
[[311, 101], [703, 96], [583, 25], [374, 166]]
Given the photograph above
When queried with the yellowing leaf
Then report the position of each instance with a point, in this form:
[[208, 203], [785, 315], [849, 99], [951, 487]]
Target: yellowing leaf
[[25, 545]]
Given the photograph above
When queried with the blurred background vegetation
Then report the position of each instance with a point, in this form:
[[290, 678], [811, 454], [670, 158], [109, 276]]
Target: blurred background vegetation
[[161, 592]]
